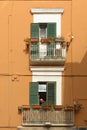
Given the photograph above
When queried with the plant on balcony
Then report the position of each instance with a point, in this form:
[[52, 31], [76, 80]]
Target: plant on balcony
[[68, 108], [34, 40], [58, 107], [77, 106], [27, 41], [59, 39], [36, 106], [46, 40], [46, 107]]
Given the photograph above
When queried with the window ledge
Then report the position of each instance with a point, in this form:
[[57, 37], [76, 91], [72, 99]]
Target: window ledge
[[47, 10], [46, 69]]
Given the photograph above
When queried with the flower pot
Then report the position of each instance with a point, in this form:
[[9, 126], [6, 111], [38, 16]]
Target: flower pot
[[77, 109], [27, 45], [26, 107], [58, 107], [46, 40], [69, 108], [34, 40], [46, 107], [59, 40], [36, 106]]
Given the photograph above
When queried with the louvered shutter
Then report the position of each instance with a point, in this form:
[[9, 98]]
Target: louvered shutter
[[34, 93], [34, 34], [51, 30], [51, 33], [34, 30], [51, 92]]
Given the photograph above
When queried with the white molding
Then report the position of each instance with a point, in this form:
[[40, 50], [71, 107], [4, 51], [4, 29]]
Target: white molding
[[47, 68], [47, 10], [49, 73]]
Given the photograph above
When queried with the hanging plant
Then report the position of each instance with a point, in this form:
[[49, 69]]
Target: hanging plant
[[27, 41], [77, 106]]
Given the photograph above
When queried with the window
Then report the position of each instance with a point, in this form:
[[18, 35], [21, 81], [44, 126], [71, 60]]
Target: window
[[43, 30], [45, 90]]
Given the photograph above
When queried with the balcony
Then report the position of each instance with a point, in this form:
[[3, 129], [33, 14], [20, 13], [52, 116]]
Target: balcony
[[47, 53], [59, 117]]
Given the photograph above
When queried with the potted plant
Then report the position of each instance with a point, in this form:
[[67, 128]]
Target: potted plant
[[69, 108], [59, 39], [46, 40], [36, 106], [34, 40], [46, 107], [27, 41], [58, 107], [77, 106]]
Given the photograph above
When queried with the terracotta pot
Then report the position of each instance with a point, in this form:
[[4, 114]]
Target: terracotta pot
[[46, 107], [77, 109], [58, 107], [26, 107], [27, 45], [59, 40], [36, 106], [34, 40], [69, 108], [46, 40]]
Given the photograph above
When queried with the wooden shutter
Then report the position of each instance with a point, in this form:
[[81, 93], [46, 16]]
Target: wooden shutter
[[51, 92], [51, 30], [34, 30], [34, 93], [51, 33]]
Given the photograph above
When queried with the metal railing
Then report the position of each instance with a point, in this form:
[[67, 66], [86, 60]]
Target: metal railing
[[41, 116], [44, 51]]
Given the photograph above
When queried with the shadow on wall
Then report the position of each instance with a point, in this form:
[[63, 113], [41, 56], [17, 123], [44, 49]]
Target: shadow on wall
[[75, 78], [75, 86]]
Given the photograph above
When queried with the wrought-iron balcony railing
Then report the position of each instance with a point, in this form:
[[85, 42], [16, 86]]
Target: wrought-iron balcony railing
[[41, 116], [47, 53]]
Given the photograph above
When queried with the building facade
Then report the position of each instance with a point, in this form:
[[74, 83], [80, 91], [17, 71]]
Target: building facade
[[47, 67]]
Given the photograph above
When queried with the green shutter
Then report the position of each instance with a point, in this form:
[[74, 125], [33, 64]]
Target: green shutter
[[34, 30], [34, 93], [51, 30], [51, 92], [51, 33]]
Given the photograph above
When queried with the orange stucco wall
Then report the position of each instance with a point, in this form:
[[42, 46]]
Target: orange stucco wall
[[15, 19]]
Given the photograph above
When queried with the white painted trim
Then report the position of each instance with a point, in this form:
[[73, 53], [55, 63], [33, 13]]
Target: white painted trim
[[49, 73], [47, 68], [47, 18], [47, 10]]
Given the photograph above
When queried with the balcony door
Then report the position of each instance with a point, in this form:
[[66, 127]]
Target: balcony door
[[43, 30]]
